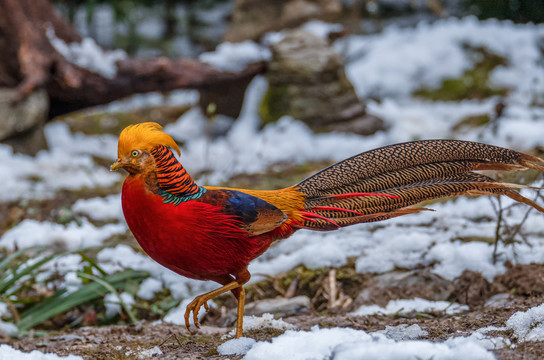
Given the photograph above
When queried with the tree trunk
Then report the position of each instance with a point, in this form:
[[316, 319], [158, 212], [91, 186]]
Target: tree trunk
[[30, 61]]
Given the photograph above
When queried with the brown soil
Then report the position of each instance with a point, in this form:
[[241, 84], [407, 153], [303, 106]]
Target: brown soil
[[175, 342]]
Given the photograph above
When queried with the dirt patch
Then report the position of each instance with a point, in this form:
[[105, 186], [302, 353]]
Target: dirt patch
[[525, 280], [471, 289], [175, 342]]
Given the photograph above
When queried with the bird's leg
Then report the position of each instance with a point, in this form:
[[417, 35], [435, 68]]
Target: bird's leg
[[242, 277], [201, 300], [240, 294], [229, 284]]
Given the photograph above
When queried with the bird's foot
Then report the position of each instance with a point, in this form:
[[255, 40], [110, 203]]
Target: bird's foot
[[195, 306]]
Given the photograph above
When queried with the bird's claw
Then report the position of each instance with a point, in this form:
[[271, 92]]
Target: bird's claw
[[195, 306]]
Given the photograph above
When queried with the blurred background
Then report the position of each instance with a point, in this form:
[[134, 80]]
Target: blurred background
[[260, 94], [188, 28]]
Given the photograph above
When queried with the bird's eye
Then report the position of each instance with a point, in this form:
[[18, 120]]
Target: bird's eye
[[135, 153]]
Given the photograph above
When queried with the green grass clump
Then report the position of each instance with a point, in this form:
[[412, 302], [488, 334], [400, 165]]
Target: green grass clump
[[36, 301]]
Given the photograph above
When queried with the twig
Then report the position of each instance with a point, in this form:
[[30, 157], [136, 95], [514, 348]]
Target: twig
[[499, 212]]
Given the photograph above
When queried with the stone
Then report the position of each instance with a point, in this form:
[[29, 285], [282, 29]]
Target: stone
[[307, 81], [279, 306], [499, 301], [251, 19], [404, 285], [21, 123]]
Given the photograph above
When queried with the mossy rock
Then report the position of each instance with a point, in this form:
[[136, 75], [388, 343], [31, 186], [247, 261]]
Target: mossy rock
[[114, 122], [473, 84]]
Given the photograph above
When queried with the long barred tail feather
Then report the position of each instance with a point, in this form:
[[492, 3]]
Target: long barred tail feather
[[387, 182]]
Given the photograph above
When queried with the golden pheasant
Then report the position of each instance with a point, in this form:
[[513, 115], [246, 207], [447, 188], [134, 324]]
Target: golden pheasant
[[212, 233]]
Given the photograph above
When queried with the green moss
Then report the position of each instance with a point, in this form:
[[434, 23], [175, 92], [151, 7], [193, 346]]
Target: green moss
[[473, 121], [115, 122], [484, 239], [472, 84], [274, 104], [211, 352]]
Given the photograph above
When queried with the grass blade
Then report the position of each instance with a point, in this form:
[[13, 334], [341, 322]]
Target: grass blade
[[112, 290], [61, 301], [7, 281]]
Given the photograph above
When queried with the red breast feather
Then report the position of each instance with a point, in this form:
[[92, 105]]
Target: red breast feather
[[193, 239]]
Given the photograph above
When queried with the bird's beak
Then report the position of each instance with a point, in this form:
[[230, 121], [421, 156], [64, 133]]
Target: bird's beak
[[117, 165]]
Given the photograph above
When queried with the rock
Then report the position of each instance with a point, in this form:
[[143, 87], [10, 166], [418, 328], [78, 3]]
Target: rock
[[499, 300], [21, 123], [404, 285], [279, 306], [307, 81], [68, 337], [251, 19], [404, 332]]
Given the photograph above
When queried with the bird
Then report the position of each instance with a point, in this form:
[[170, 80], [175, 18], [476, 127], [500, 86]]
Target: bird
[[213, 233]]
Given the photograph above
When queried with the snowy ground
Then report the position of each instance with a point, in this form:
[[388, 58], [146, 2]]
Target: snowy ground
[[388, 67]]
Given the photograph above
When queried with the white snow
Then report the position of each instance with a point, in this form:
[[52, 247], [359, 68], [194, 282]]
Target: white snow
[[180, 98], [71, 236], [67, 165], [8, 328], [480, 337], [403, 332], [88, 55], [346, 343], [398, 61], [9, 353], [528, 325], [4, 310], [113, 303], [266, 321], [149, 287], [404, 306], [317, 28], [149, 353], [236, 346], [107, 208], [235, 56], [124, 257]]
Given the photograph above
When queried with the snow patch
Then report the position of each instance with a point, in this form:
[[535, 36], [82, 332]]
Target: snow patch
[[403, 332], [235, 56], [113, 305], [149, 353], [266, 321], [107, 208], [528, 325], [403, 306], [236, 346], [346, 343], [72, 236], [8, 329], [7, 352], [88, 55]]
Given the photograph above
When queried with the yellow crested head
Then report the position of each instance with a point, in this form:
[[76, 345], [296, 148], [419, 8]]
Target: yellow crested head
[[144, 136]]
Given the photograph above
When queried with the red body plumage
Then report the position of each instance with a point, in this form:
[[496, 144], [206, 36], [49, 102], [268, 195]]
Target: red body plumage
[[194, 239]]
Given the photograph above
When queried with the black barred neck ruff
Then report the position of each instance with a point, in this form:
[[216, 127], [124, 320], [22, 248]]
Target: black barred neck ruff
[[175, 184]]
